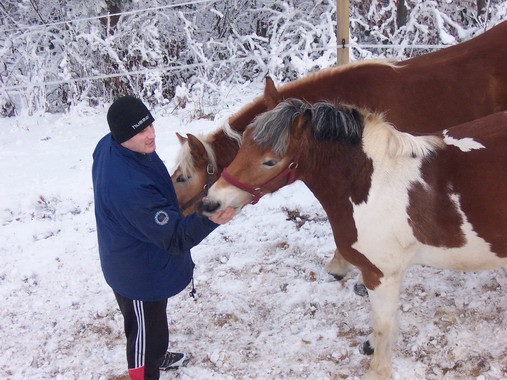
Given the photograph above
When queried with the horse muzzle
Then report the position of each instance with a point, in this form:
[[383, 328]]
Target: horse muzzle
[[207, 207]]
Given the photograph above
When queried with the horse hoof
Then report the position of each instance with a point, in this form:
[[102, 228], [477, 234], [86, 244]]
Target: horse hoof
[[366, 348], [360, 290]]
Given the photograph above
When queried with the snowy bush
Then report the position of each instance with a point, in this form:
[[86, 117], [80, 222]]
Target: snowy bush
[[58, 54]]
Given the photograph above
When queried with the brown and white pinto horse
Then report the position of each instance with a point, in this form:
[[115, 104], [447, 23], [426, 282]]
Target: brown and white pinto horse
[[424, 94], [393, 199]]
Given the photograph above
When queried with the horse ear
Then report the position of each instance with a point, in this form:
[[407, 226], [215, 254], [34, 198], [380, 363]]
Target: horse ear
[[197, 149], [271, 95], [181, 139]]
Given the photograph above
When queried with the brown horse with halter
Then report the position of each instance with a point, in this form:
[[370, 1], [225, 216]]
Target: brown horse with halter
[[393, 199], [426, 93]]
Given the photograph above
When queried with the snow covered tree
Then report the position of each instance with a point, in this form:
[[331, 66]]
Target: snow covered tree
[[56, 54]]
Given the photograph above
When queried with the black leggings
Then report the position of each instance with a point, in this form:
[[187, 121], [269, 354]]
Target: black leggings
[[147, 334]]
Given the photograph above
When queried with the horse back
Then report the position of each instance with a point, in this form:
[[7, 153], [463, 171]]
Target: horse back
[[424, 94], [486, 43], [460, 202]]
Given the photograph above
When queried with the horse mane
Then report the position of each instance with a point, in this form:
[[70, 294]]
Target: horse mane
[[337, 123], [328, 123], [345, 123], [272, 128], [185, 160], [381, 138], [230, 132]]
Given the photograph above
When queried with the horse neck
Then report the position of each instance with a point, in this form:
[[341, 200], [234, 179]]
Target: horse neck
[[225, 149], [333, 84], [335, 172], [340, 84], [240, 120]]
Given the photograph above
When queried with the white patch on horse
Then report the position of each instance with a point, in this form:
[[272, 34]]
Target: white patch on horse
[[475, 255], [382, 221], [394, 170], [385, 237], [383, 141], [465, 144]]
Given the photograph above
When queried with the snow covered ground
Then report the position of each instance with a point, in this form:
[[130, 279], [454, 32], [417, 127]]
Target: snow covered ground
[[265, 306]]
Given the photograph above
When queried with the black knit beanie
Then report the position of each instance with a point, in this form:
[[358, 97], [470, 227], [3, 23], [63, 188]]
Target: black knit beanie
[[126, 117]]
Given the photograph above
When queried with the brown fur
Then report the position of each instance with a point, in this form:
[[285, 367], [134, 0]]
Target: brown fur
[[448, 193], [422, 94], [482, 176], [427, 93]]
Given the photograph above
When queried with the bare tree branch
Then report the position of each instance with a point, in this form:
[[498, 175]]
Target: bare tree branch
[[36, 9]]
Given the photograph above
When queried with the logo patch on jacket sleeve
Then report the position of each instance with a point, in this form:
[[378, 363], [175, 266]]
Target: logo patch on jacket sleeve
[[161, 217]]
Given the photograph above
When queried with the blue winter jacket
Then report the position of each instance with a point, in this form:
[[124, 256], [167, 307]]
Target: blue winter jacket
[[144, 242]]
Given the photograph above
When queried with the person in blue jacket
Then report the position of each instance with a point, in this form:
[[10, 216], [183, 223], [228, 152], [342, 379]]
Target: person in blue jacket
[[144, 242]]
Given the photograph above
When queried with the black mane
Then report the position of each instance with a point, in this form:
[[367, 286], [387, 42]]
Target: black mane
[[329, 122], [337, 123]]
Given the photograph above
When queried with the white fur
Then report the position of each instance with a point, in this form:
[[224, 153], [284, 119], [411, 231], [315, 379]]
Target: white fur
[[394, 248], [465, 145], [185, 161], [233, 134]]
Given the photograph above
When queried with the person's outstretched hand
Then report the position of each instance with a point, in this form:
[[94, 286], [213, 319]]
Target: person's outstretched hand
[[223, 216]]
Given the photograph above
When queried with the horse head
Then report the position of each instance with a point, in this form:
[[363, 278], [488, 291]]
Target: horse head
[[195, 173], [199, 165], [272, 147]]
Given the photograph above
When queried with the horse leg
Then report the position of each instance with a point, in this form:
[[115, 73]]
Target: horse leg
[[384, 307], [338, 268]]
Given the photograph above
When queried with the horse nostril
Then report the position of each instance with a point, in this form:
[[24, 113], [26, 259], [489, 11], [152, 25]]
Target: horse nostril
[[207, 207]]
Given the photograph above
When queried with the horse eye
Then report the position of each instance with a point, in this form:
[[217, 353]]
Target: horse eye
[[181, 179], [270, 163]]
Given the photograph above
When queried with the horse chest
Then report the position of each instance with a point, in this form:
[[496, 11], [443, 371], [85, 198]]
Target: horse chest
[[384, 235]]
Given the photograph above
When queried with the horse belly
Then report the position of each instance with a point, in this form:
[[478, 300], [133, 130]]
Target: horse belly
[[475, 255], [388, 241]]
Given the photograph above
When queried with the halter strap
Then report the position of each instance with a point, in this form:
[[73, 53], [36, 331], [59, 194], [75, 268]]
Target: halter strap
[[257, 192], [210, 170]]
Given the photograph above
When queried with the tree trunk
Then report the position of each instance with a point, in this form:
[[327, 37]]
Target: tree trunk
[[481, 7], [110, 22], [401, 14]]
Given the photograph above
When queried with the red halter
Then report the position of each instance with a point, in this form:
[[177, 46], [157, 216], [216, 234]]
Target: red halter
[[256, 192]]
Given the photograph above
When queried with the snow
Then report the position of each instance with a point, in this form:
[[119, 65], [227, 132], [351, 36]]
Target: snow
[[265, 307]]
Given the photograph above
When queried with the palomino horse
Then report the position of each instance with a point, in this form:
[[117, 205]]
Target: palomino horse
[[393, 199], [424, 94]]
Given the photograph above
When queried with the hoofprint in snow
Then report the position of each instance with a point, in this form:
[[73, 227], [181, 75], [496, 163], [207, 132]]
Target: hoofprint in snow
[[265, 306]]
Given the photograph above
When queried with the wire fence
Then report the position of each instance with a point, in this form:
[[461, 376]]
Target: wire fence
[[294, 45], [165, 69], [108, 15]]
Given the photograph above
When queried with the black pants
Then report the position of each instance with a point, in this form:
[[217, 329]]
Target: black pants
[[147, 334]]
